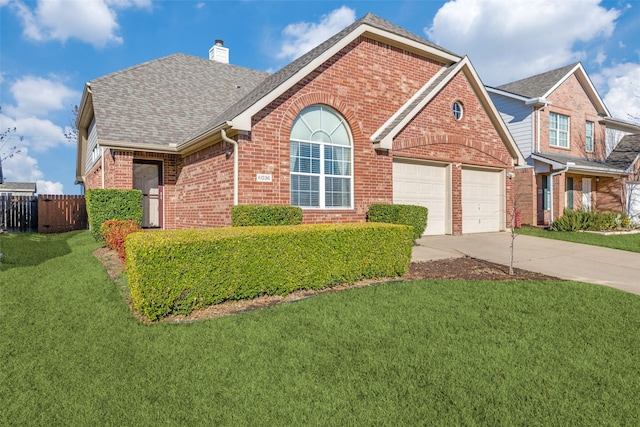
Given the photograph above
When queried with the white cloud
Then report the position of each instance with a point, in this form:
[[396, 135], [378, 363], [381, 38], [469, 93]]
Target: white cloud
[[511, 39], [24, 168], [90, 21], [48, 187], [38, 134], [301, 37], [623, 95], [37, 96]]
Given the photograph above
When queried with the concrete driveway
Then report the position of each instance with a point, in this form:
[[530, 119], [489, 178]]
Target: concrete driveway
[[571, 261]]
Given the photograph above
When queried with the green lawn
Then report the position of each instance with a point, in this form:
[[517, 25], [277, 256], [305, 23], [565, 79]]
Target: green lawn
[[626, 242], [405, 353]]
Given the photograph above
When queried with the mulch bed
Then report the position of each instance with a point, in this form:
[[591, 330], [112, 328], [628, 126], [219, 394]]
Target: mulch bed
[[465, 268]]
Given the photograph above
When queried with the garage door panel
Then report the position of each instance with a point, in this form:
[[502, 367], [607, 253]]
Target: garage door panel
[[482, 201], [423, 185]]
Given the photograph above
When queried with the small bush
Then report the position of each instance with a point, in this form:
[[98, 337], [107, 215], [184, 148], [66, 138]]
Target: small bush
[[415, 216], [250, 215], [178, 271], [115, 231], [103, 205], [591, 221]]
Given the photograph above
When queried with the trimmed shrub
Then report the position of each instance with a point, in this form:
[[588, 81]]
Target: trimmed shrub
[[415, 216], [178, 271], [115, 231], [103, 205], [591, 221], [249, 215]]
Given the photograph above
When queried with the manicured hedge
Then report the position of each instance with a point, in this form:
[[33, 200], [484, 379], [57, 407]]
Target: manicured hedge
[[105, 204], [248, 215], [178, 271], [415, 216], [115, 231]]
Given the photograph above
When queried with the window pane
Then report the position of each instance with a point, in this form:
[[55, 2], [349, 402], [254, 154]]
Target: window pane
[[305, 191], [337, 192]]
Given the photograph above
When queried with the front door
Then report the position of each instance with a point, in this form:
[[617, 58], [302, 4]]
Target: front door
[[147, 177], [586, 194]]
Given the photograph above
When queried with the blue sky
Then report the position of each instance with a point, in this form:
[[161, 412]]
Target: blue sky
[[50, 48]]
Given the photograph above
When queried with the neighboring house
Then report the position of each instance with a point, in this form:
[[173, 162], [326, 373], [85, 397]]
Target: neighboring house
[[375, 114], [566, 134], [18, 188]]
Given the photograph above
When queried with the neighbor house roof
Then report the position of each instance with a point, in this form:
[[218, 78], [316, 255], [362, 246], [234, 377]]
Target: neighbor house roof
[[10, 187], [540, 86], [626, 152], [579, 164], [162, 101]]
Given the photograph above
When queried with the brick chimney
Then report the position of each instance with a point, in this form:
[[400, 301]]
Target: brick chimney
[[219, 53]]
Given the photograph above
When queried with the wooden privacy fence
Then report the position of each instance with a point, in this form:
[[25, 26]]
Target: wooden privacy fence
[[44, 213], [18, 213], [59, 213]]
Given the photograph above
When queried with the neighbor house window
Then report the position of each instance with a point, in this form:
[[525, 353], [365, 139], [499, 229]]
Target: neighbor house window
[[321, 159], [589, 137], [569, 193], [558, 130], [546, 196]]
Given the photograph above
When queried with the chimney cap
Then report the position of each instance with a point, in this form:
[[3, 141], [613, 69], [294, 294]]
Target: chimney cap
[[219, 42]]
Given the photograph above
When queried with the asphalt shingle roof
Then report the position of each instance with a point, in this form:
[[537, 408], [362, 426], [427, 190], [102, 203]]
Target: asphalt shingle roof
[[583, 163], [276, 79], [163, 100], [625, 153], [538, 85], [18, 186]]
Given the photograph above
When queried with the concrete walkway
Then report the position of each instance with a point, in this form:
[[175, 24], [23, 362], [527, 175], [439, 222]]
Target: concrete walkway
[[570, 261]]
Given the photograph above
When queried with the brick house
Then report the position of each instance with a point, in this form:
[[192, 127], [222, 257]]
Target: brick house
[[569, 139], [375, 114]]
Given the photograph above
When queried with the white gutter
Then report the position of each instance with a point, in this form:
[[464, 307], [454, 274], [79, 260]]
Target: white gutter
[[566, 168], [225, 138]]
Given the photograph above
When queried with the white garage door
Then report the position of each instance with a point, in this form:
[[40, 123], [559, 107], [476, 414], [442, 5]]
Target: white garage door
[[633, 201], [482, 201], [423, 185]]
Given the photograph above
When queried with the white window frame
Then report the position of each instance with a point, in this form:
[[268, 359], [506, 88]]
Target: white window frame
[[322, 205], [558, 132], [589, 136]]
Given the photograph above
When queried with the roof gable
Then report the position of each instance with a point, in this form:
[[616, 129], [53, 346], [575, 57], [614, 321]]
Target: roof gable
[[273, 86], [383, 138], [542, 85]]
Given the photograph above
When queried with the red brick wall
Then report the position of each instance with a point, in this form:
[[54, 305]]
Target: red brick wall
[[525, 196], [571, 100], [609, 194], [367, 82]]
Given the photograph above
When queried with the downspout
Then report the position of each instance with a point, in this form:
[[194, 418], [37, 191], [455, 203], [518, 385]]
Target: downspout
[[538, 130], [102, 166], [553, 174], [225, 138]]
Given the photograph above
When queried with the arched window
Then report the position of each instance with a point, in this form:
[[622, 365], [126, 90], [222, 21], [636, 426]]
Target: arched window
[[321, 158]]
